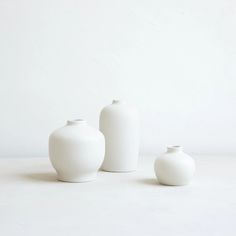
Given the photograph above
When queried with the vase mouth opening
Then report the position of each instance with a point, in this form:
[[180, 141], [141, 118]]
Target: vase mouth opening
[[118, 101], [174, 148], [76, 122]]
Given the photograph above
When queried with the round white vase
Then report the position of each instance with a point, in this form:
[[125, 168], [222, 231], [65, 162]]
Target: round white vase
[[119, 122], [76, 151], [174, 167]]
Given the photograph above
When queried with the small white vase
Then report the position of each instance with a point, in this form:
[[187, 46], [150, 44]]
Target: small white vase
[[119, 122], [174, 167], [76, 151]]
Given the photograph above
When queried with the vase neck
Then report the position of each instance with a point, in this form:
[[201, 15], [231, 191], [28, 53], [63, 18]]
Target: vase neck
[[117, 101], [76, 122], [172, 149]]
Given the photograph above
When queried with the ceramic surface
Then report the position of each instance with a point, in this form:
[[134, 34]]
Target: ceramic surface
[[119, 122], [76, 151], [174, 167]]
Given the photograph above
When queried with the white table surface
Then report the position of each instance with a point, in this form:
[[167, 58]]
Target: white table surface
[[33, 202]]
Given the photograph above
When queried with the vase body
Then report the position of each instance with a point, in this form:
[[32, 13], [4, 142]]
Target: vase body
[[120, 123], [174, 167], [76, 151]]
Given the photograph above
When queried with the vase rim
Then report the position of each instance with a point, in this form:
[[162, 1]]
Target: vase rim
[[118, 101], [76, 122], [174, 148]]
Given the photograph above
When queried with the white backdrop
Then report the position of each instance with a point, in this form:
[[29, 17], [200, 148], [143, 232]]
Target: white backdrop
[[175, 60]]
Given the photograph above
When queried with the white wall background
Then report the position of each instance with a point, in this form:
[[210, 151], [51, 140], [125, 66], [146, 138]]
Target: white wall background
[[175, 60]]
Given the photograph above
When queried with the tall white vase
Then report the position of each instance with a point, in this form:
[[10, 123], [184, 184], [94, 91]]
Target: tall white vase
[[76, 151], [174, 167], [119, 122]]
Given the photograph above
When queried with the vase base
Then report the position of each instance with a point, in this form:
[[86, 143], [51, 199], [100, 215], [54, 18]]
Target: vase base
[[118, 171], [77, 180], [173, 184]]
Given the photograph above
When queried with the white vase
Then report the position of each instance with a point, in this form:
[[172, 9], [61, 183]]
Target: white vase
[[174, 167], [76, 151], [119, 122]]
